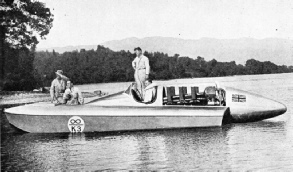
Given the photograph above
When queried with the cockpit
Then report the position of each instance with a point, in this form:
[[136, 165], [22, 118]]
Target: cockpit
[[166, 95], [210, 96], [149, 97]]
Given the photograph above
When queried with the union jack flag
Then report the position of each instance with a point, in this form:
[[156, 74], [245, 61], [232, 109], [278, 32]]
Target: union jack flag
[[238, 98]]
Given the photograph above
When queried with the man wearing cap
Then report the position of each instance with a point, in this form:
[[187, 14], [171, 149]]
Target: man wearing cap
[[142, 69], [57, 87]]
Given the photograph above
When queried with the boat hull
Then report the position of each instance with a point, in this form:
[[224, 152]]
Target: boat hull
[[102, 119]]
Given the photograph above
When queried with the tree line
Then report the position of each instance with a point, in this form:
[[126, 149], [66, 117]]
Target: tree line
[[26, 69], [105, 65]]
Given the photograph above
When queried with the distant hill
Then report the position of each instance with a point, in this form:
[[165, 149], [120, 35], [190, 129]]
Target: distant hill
[[278, 51]]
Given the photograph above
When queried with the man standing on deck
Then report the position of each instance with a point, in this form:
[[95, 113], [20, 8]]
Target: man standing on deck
[[142, 69], [58, 86]]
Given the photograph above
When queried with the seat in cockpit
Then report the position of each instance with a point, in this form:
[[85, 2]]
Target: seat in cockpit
[[150, 94], [136, 95]]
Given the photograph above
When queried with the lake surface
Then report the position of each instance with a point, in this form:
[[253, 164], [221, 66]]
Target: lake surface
[[260, 146]]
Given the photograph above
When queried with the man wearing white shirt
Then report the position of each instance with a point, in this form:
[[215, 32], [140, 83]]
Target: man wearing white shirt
[[58, 87], [72, 95], [150, 91], [142, 69]]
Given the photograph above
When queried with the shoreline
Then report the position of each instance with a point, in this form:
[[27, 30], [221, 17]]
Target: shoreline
[[16, 98]]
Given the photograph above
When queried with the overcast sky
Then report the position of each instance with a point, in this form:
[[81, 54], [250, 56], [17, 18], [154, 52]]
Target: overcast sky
[[89, 22]]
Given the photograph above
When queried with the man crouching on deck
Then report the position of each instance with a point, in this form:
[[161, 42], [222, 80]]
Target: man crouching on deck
[[72, 95]]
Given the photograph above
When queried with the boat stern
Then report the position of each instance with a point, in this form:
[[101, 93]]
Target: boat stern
[[249, 107]]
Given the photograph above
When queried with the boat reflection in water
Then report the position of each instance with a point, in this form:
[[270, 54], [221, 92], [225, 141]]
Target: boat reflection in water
[[178, 149], [148, 150], [268, 146]]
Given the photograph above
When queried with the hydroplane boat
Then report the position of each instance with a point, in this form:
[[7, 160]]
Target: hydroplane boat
[[170, 107]]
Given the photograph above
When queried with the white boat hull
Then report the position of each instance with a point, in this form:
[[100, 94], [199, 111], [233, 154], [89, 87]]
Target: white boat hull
[[101, 119]]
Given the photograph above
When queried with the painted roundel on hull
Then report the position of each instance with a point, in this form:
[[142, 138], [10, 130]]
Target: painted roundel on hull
[[76, 124]]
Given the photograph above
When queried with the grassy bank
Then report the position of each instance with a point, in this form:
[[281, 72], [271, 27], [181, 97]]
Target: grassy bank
[[22, 97]]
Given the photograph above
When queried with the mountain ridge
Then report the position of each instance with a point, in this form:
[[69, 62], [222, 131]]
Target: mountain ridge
[[276, 50]]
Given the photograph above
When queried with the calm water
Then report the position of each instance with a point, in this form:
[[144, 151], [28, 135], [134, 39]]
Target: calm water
[[259, 146]]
